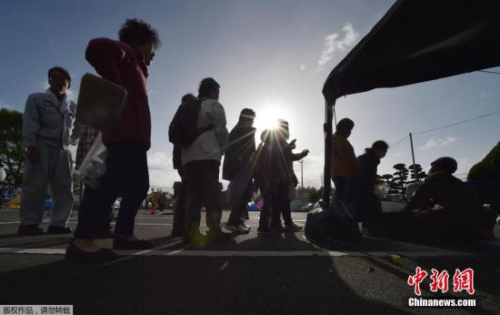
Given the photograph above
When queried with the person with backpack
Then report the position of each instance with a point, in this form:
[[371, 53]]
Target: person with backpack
[[201, 132], [179, 222], [124, 62], [238, 169]]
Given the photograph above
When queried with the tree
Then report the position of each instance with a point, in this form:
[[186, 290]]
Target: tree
[[400, 179], [417, 168], [12, 151]]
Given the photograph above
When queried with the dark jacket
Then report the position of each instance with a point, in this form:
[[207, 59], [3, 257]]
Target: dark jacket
[[239, 151], [274, 165], [368, 163], [446, 190], [119, 63]]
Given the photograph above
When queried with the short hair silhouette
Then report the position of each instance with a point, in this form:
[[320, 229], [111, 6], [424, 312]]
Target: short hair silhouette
[[60, 69], [136, 32]]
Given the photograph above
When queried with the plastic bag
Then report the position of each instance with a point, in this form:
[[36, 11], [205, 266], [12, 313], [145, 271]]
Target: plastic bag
[[93, 166], [381, 190]]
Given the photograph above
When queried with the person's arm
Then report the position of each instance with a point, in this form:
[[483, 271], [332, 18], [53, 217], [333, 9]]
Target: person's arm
[[104, 55], [75, 133], [299, 156], [31, 122], [220, 126], [31, 125]]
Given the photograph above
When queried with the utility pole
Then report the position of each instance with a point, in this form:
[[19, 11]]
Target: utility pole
[[413, 158]]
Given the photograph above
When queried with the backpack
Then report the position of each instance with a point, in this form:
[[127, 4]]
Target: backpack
[[182, 130]]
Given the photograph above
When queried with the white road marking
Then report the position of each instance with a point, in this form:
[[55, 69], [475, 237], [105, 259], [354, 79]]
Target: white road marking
[[242, 253]]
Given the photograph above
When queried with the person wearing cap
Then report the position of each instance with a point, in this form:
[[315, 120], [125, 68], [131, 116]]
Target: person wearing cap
[[47, 120], [238, 169], [443, 207]]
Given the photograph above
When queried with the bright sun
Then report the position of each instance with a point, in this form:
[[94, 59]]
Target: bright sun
[[267, 118]]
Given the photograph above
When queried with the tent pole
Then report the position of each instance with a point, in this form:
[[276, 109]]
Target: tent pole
[[327, 129]]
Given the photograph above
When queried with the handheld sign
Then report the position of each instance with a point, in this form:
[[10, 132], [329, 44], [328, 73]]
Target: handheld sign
[[100, 103]]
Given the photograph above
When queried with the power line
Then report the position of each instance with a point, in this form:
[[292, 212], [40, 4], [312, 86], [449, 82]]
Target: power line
[[457, 123], [398, 142]]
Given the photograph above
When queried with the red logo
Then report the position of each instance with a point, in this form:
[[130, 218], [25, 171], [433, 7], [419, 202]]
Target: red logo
[[462, 280]]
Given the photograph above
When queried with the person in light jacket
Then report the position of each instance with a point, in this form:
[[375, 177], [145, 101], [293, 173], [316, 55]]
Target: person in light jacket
[[47, 120], [201, 161]]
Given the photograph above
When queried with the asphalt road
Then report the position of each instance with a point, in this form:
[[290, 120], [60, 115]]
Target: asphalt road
[[249, 274]]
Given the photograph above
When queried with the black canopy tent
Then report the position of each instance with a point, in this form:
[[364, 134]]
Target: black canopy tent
[[416, 41]]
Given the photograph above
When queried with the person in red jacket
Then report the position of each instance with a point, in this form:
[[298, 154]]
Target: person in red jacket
[[124, 62]]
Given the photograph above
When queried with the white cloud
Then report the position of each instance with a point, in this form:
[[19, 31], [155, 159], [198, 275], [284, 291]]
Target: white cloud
[[302, 67], [333, 42], [439, 143]]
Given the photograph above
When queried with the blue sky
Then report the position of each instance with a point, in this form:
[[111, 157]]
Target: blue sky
[[272, 56]]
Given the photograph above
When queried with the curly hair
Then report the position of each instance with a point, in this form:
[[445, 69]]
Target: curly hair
[[136, 32]]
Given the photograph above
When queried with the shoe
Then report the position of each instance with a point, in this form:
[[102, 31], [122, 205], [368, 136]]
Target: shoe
[[217, 236], [29, 230], [239, 229], [247, 227], [195, 238], [292, 228], [74, 253], [121, 243], [53, 229], [268, 231]]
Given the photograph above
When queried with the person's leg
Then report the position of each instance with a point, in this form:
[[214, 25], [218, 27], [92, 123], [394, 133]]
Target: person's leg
[[265, 212], [340, 187], [96, 204], [211, 195], [179, 228], [35, 189], [193, 175], [61, 182], [134, 192]]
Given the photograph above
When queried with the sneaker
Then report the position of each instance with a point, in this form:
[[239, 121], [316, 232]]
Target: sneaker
[[246, 226], [29, 230], [121, 243], [53, 229], [239, 229], [74, 253], [292, 228]]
